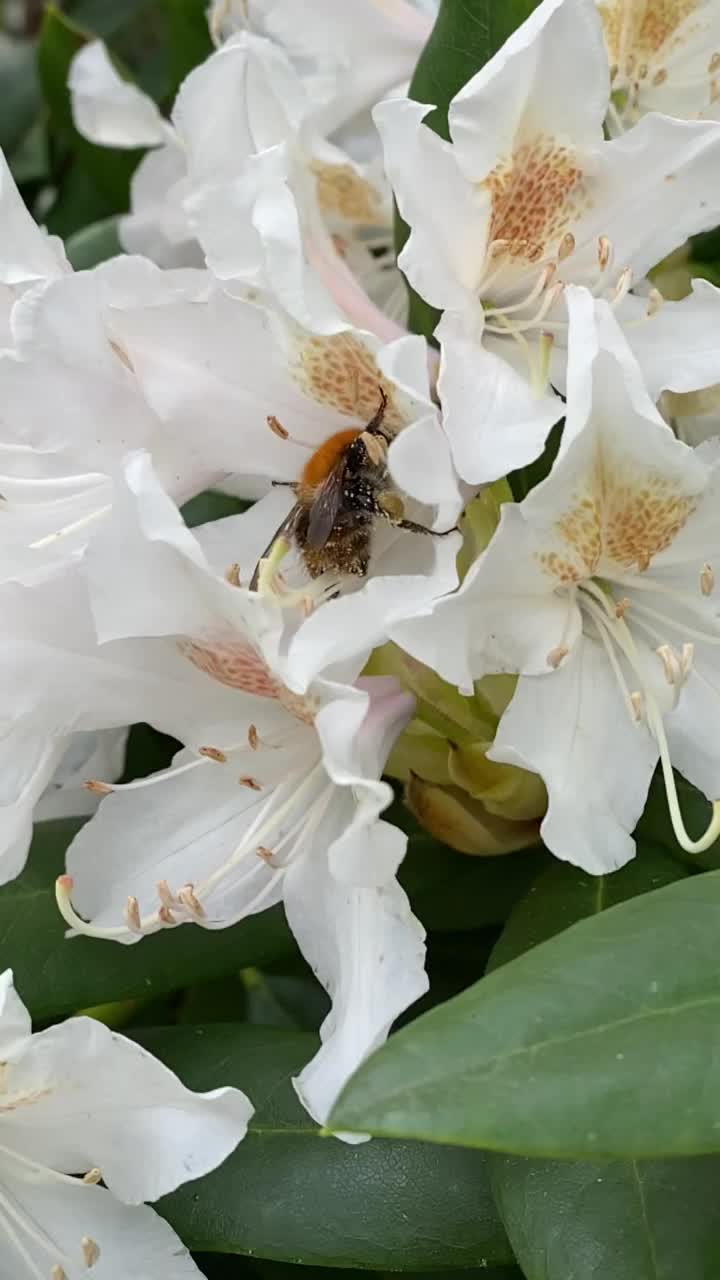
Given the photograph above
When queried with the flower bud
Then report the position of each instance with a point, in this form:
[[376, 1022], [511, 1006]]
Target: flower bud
[[458, 820]]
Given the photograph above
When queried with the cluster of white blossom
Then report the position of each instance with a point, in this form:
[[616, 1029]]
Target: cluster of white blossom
[[257, 313]]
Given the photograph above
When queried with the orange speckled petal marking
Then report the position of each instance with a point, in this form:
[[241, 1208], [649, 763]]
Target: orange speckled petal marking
[[643, 28], [340, 372], [233, 664], [344, 193], [536, 197]]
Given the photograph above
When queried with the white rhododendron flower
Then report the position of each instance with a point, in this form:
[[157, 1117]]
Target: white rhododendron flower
[[245, 168], [526, 198], [27, 254], [663, 57], [79, 1103], [599, 590], [277, 799]]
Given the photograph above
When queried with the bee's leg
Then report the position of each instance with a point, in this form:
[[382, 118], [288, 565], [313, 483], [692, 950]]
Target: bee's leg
[[284, 484], [412, 527]]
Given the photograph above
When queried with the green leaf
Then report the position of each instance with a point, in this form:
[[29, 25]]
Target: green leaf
[[647, 1220], [653, 1220], [188, 37], [105, 19], [212, 505], [466, 35], [597, 1042], [451, 890], [94, 243], [19, 91], [291, 1194], [655, 825], [109, 169], [57, 975], [564, 894]]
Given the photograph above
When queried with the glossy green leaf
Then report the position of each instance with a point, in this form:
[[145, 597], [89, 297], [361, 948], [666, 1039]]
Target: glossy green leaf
[[109, 169], [655, 826], [57, 975], [454, 891], [94, 243], [19, 91], [212, 505], [290, 1194], [188, 37], [599, 1041], [564, 894], [578, 1220], [624, 1220], [466, 35]]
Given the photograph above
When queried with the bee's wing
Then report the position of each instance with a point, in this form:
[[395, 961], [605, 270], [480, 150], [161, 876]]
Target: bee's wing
[[325, 508], [287, 527]]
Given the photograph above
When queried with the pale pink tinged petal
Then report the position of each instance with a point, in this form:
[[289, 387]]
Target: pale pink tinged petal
[[102, 1101], [107, 109], [494, 420], [346, 291], [134, 1242], [556, 57], [573, 728], [368, 951]]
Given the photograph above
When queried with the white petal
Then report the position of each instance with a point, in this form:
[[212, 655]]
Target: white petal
[[448, 216], [367, 949], [573, 728], [87, 755], [15, 1026], [357, 729], [101, 1101], [494, 420], [27, 252], [107, 109], [134, 1242], [556, 57], [678, 347]]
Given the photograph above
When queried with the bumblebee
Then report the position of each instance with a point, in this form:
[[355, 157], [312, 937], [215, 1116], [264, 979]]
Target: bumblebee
[[342, 491]]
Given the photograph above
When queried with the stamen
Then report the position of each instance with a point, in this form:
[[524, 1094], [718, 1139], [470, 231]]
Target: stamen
[[279, 430], [266, 855], [655, 301], [213, 753], [69, 528], [90, 1251], [252, 783], [636, 703], [97, 788], [58, 1273], [188, 900], [707, 580], [714, 64], [556, 656], [713, 829], [165, 916], [131, 913], [92, 1177], [622, 287], [541, 376], [671, 664], [269, 566], [253, 738], [232, 575], [567, 246], [604, 252], [622, 607], [167, 898], [660, 77]]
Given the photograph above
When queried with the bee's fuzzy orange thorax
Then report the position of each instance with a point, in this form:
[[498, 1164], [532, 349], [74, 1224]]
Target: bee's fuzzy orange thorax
[[325, 459]]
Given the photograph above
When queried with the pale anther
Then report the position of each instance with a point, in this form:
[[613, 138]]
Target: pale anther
[[165, 894], [714, 64], [686, 659], [246, 781], [166, 916], [252, 738], [213, 753], [636, 703], [604, 250], [131, 915], [92, 1177], [671, 663], [567, 245], [642, 71], [265, 854], [232, 575], [191, 902], [276, 427], [556, 656], [97, 788], [622, 607], [90, 1251], [707, 580], [660, 76], [655, 301], [57, 1272]]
